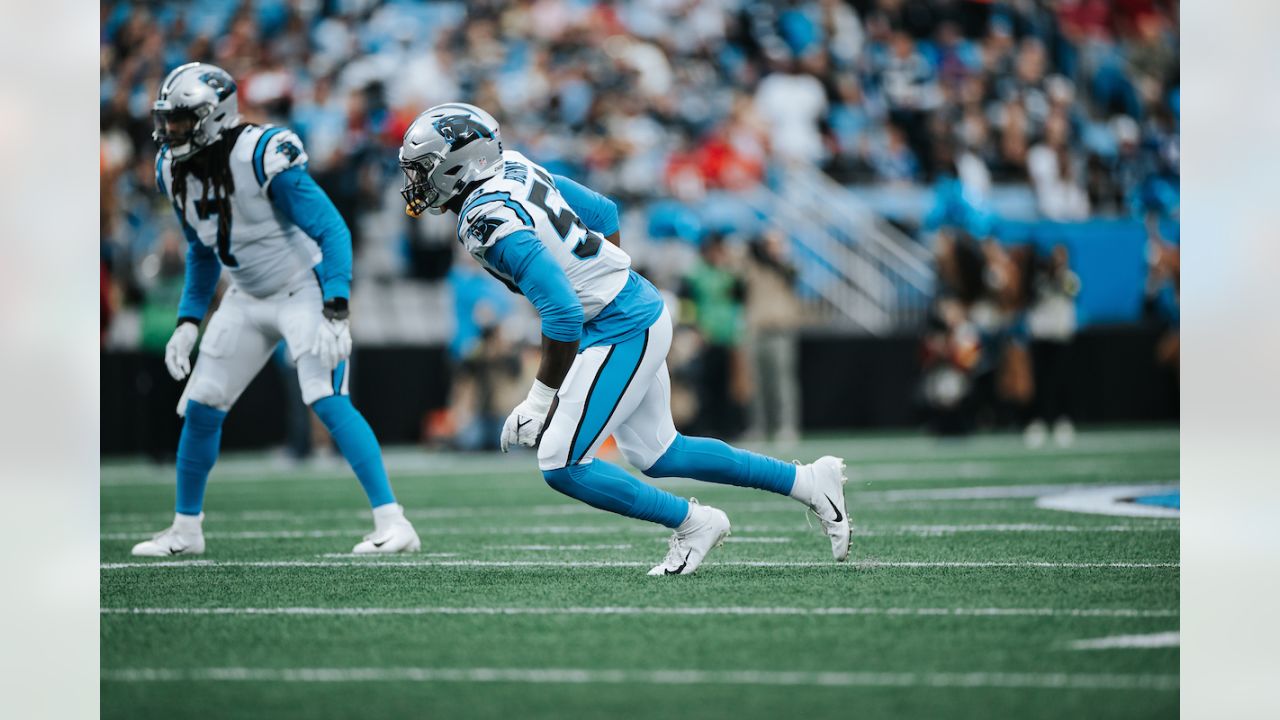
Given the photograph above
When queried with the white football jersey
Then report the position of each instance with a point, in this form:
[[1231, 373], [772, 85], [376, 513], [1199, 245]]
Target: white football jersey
[[265, 251], [524, 196]]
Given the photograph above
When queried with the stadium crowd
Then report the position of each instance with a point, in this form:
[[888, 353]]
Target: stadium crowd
[[665, 100]]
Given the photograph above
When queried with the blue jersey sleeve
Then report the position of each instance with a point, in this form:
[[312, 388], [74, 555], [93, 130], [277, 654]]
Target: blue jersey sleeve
[[301, 200], [597, 211], [522, 257], [201, 280]]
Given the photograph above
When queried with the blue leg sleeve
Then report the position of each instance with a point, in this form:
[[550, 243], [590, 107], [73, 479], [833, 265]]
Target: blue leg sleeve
[[355, 440], [197, 452], [711, 460], [609, 487]]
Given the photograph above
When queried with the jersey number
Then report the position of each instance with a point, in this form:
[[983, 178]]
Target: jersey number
[[564, 220], [204, 210]]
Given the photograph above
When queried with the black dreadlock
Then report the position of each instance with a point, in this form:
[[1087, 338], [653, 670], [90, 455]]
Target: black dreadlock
[[212, 166]]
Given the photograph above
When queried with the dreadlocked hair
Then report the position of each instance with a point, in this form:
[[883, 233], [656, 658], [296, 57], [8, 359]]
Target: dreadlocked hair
[[212, 166]]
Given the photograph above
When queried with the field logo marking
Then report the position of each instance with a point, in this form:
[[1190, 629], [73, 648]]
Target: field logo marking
[[1117, 642], [1122, 500]]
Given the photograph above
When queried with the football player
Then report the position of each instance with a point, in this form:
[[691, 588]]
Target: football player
[[605, 337], [246, 203]]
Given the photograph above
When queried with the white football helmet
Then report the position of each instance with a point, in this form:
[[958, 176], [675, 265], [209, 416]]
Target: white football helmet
[[444, 150], [196, 103]]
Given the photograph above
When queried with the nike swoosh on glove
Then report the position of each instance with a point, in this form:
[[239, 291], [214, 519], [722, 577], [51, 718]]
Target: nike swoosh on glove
[[524, 424]]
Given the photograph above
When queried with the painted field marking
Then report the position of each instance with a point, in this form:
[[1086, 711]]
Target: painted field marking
[[972, 462], [873, 531], [899, 498], [653, 677], [1115, 642], [553, 548], [623, 610], [868, 564], [1109, 500]]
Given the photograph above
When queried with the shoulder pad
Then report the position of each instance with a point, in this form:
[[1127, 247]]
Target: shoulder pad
[[276, 150], [488, 217]]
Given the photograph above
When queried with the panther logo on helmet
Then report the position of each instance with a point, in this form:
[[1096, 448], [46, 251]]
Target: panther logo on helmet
[[460, 130], [221, 82]]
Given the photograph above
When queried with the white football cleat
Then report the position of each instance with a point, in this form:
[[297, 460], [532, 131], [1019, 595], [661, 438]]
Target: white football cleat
[[392, 532], [183, 537], [821, 487], [704, 529]]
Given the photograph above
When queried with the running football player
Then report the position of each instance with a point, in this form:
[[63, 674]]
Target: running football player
[[246, 203], [605, 337]]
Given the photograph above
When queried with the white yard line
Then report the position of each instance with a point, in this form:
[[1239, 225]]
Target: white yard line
[[868, 564], [554, 548], [873, 531], [936, 464], [622, 610], [1115, 642], [651, 677]]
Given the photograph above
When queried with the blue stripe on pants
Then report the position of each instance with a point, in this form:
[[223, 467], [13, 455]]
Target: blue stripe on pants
[[610, 384]]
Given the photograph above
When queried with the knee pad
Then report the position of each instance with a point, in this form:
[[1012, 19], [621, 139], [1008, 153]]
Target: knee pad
[[563, 479], [666, 464], [318, 382], [206, 390]]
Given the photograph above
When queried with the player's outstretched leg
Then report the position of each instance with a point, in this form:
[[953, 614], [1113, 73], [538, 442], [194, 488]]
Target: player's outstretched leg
[[698, 528], [392, 531], [197, 452], [818, 485]]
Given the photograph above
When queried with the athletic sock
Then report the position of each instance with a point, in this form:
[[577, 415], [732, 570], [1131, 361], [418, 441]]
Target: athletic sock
[[385, 515], [606, 486], [197, 452], [357, 443], [188, 524], [712, 460]]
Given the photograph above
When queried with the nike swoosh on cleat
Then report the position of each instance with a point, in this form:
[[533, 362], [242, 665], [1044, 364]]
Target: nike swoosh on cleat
[[380, 544], [680, 569], [839, 516]]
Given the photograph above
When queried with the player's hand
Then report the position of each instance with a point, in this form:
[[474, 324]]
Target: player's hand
[[177, 353], [524, 425], [333, 336]]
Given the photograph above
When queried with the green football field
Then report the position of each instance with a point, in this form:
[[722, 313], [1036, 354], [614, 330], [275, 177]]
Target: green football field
[[962, 597]]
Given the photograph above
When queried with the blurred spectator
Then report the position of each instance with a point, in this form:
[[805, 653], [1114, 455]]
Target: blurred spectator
[[773, 316], [1058, 174], [712, 296], [1051, 323]]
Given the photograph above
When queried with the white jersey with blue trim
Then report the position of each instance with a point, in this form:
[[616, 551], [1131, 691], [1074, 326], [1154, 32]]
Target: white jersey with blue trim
[[524, 197], [265, 251]]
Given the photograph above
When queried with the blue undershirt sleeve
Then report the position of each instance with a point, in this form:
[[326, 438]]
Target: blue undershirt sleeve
[[203, 270], [301, 200], [597, 211], [521, 256]]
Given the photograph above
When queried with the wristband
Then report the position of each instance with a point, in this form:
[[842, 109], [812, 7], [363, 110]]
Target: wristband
[[336, 309], [540, 396]]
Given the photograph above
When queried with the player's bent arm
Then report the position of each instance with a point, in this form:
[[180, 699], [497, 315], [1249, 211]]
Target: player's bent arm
[[522, 257], [302, 201], [203, 270], [597, 211]]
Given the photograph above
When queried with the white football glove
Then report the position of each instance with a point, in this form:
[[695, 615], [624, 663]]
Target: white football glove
[[177, 353], [524, 425], [333, 336]]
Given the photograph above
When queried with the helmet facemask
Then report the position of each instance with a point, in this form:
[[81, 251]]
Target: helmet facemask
[[180, 129], [420, 194]]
